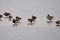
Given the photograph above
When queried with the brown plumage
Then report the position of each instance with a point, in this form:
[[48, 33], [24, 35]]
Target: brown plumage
[[58, 23], [1, 16], [6, 14], [31, 21], [49, 17], [18, 18], [14, 21], [34, 17], [10, 17]]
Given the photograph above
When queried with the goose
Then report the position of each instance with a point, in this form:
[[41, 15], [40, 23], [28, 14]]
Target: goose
[[14, 22], [58, 23], [10, 17], [34, 17], [18, 18], [1, 16], [30, 20], [50, 17], [6, 14]]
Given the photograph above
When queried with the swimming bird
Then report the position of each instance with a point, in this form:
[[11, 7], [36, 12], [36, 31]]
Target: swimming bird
[[10, 17], [1, 16], [18, 19], [14, 22], [58, 23], [34, 17], [31, 21], [50, 17], [6, 14]]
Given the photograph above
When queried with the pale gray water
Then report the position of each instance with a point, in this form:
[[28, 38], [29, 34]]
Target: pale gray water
[[25, 8]]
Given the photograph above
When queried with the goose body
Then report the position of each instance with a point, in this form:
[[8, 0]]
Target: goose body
[[10, 18], [6, 14], [30, 20], [49, 17], [58, 22], [34, 17], [18, 18], [14, 21], [1, 16]]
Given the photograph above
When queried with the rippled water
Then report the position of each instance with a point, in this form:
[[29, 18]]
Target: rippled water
[[41, 30]]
